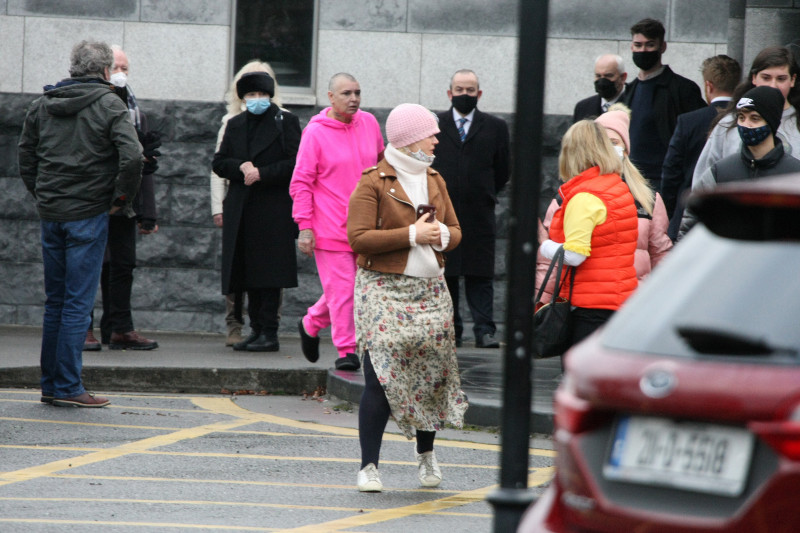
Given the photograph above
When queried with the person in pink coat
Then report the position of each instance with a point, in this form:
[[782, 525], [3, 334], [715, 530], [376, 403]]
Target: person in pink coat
[[336, 146], [653, 243]]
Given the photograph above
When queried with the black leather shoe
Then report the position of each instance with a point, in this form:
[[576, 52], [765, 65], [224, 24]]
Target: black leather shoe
[[459, 342], [309, 344], [487, 340], [242, 346], [348, 362], [264, 343]]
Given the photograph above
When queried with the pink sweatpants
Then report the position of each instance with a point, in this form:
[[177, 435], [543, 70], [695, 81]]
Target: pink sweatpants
[[337, 273]]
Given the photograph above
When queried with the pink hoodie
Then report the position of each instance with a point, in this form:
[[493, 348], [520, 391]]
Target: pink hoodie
[[330, 160]]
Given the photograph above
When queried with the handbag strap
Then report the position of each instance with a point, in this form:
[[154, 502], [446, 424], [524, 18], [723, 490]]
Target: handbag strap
[[558, 264]]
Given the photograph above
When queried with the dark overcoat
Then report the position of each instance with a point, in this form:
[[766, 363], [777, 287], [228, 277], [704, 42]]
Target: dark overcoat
[[474, 171], [258, 232]]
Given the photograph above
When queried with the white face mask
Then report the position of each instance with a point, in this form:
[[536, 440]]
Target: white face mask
[[620, 152], [120, 79]]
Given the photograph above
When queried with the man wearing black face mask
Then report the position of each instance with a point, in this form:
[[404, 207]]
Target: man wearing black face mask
[[609, 84], [656, 97], [472, 156]]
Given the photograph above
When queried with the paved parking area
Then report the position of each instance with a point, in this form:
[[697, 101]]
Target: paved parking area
[[163, 463]]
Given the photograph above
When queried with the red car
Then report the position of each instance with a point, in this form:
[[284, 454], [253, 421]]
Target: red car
[[683, 413]]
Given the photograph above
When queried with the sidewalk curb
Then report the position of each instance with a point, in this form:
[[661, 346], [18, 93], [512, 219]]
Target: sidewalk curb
[[181, 380]]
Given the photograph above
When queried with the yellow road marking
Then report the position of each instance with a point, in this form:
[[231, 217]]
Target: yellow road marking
[[190, 502], [232, 482], [119, 451], [384, 515], [243, 417], [158, 525], [230, 408]]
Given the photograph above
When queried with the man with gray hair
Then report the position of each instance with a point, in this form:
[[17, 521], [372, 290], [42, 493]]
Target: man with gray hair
[[473, 158], [336, 146], [609, 84], [80, 158]]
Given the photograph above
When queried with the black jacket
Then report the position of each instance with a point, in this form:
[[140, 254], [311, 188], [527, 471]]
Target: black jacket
[[685, 146], [474, 171], [258, 234], [588, 108], [674, 95]]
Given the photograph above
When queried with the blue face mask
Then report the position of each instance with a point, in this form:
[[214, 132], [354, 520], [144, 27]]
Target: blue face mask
[[257, 106], [754, 136]]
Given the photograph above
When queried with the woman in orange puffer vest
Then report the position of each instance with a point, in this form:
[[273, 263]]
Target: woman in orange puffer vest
[[597, 225]]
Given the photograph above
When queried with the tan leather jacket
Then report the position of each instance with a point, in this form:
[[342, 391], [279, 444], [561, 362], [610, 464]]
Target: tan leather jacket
[[380, 213]]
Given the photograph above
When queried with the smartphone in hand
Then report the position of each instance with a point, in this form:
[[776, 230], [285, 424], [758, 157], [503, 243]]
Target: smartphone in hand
[[427, 208]]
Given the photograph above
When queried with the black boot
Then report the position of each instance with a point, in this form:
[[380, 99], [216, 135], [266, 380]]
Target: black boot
[[242, 346], [266, 342]]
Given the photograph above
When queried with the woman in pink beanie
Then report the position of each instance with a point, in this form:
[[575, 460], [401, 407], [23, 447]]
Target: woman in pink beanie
[[653, 243], [400, 221]]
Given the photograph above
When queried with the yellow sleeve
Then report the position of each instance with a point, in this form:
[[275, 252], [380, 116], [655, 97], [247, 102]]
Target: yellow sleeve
[[583, 212]]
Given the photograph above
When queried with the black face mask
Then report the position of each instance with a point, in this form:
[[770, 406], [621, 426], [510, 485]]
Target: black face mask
[[605, 88], [464, 103], [646, 60]]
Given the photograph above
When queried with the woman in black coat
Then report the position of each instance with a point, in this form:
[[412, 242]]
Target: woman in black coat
[[257, 156]]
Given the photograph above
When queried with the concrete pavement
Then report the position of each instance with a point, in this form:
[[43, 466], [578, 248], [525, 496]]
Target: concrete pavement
[[200, 363]]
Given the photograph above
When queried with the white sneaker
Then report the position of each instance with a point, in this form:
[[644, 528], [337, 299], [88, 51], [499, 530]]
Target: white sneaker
[[369, 480], [429, 473]]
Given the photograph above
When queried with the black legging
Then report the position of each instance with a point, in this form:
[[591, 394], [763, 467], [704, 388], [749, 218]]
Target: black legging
[[373, 414]]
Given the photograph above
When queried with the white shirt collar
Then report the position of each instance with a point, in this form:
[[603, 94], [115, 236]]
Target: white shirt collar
[[469, 116]]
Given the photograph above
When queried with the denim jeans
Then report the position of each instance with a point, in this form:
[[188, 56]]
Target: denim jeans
[[73, 256]]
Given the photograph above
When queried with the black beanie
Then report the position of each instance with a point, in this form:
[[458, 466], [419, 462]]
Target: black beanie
[[768, 101], [255, 81]]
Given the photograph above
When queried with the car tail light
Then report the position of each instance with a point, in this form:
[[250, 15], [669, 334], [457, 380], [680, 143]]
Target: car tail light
[[572, 413], [783, 436]]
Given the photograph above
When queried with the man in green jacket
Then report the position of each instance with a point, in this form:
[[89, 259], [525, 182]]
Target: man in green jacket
[[80, 158]]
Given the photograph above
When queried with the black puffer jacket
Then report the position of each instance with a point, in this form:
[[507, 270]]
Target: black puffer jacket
[[79, 151]]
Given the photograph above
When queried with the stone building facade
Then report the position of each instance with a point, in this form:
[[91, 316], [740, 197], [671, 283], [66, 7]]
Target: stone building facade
[[182, 58]]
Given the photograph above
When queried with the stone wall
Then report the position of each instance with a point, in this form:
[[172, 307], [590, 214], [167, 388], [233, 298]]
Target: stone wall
[[177, 282]]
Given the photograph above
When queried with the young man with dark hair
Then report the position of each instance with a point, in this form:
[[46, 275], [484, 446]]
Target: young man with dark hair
[[656, 97]]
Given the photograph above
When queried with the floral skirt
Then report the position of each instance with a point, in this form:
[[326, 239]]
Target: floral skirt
[[406, 324]]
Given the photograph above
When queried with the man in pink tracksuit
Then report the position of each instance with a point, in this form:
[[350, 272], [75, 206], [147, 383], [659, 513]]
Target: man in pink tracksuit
[[336, 146]]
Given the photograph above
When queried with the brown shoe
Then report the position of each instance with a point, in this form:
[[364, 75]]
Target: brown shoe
[[131, 341], [91, 344], [234, 336], [87, 399]]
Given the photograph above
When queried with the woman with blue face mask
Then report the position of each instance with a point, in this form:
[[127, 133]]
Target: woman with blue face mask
[[257, 156]]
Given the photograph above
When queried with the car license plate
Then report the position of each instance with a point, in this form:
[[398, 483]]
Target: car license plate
[[701, 457]]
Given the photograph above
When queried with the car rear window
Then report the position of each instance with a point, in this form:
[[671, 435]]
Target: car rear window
[[716, 297]]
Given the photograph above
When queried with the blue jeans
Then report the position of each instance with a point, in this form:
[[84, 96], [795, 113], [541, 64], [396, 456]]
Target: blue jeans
[[73, 256]]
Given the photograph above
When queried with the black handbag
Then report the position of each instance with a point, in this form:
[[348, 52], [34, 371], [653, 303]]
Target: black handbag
[[552, 322]]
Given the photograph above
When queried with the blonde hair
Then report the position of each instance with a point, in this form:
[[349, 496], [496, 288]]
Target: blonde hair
[[232, 98], [586, 145], [639, 186]]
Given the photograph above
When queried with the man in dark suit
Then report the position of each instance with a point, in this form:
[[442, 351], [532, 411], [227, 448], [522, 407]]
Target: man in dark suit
[[116, 279], [656, 97], [472, 156], [609, 83], [721, 74]]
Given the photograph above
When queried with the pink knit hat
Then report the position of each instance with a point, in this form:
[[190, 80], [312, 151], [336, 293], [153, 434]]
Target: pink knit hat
[[619, 122], [409, 123]]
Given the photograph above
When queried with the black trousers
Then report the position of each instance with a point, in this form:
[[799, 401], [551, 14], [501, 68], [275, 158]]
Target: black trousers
[[116, 278], [263, 306], [585, 321], [480, 299]]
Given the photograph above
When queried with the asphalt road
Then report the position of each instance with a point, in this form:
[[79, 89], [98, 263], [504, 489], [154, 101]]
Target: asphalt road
[[176, 463]]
